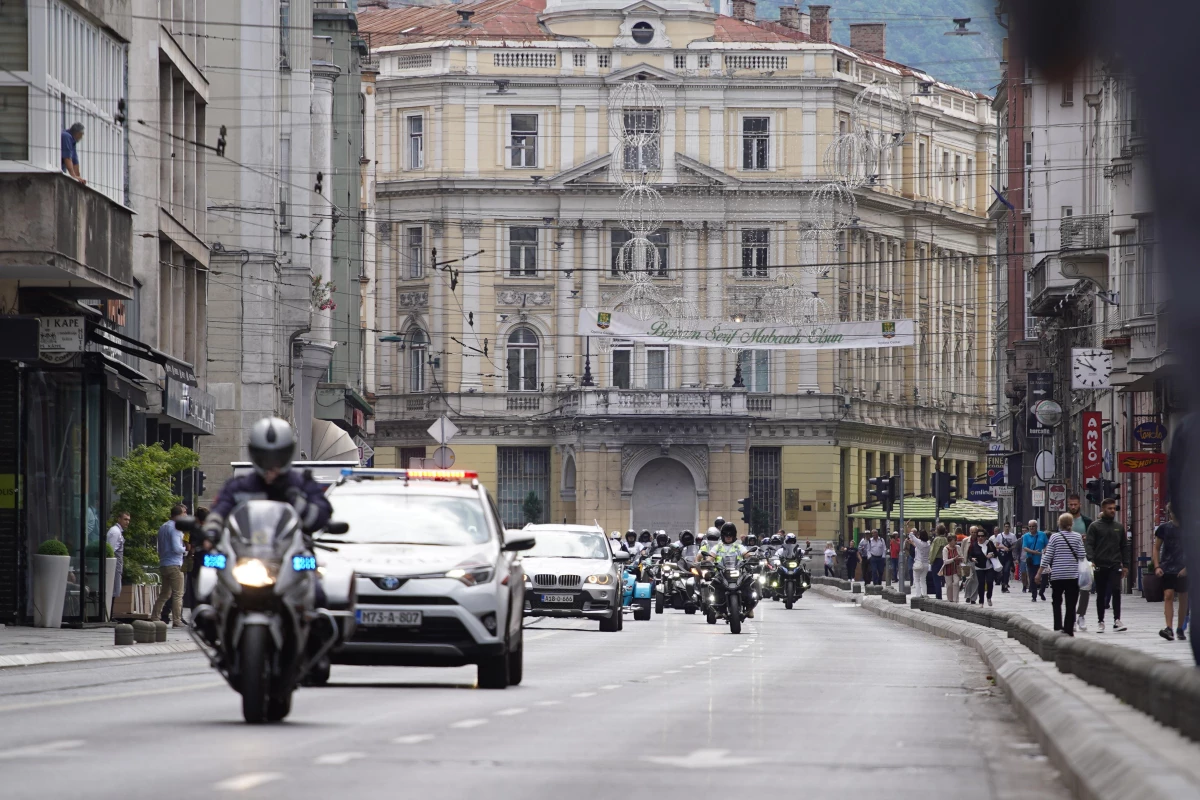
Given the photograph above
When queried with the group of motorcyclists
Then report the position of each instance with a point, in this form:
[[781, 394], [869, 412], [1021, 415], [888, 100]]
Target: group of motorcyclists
[[702, 574]]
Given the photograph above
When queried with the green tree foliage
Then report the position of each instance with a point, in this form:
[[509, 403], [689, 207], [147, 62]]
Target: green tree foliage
[[142, 483], [52, 547], [532, 508]]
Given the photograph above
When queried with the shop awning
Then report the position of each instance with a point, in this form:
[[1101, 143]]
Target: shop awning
[[331, 443], [921, 509], [179, 370]]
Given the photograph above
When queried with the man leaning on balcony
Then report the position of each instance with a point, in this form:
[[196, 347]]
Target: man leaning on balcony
[[70, 156]]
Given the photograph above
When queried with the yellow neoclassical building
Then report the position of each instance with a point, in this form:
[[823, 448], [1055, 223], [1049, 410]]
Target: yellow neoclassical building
[[496, 219]]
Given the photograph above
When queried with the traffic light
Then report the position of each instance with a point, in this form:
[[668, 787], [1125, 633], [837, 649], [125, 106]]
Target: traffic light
[[1111, 489], [746, 509], [200, 487], [883, 490], [951, 488], [1095, 491], [945, 489]]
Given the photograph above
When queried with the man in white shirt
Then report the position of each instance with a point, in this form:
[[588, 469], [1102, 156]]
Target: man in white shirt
[[116, 540], [1005, 541]]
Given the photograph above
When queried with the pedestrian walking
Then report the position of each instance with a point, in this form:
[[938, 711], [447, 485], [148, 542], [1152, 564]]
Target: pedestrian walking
[[1019, 560], [877, 549], [937, 579], [116, 540], [982, 554], [1169, 564], [194, 561], [850, 555], [1108, 550], [1005, 541], [1080, 526], [830, 555], [70, 152], [921, 547], [1033, 542], [1060, 561], [952, 566], [170, 568]]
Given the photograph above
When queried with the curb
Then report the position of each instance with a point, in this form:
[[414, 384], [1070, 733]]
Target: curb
[[97, 654], [1097, 759]]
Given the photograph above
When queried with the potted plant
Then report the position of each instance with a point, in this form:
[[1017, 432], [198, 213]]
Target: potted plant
[[110, 575], [50, 568]]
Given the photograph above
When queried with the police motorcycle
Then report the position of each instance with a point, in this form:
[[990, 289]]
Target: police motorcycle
[[259, 621], [675, 587], [734, 592], [794, 577], [703, 570], [637, 593], [760, 566]]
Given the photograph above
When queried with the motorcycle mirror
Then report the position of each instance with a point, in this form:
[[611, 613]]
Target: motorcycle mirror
[[337, 527], [620, 555], [186, 524]]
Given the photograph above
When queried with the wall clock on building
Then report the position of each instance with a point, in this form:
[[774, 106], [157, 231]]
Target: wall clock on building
[[1091, 368]]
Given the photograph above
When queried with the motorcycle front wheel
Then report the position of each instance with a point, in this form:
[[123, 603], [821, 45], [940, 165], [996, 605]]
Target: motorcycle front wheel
[[658, 603], [734, 609], [254, 664], [711, 616]]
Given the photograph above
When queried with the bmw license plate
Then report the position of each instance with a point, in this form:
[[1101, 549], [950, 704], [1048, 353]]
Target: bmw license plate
[[558, 598], [401, 619]]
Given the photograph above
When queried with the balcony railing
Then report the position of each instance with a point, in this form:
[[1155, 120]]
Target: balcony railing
[[1088, 232], [1048, 288]]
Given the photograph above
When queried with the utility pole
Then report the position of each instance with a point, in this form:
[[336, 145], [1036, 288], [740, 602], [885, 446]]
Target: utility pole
[[903, 544]]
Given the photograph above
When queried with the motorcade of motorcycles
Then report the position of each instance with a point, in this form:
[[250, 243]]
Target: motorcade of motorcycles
[[733, 590], [676, 585], [794, 578], [265, 620]]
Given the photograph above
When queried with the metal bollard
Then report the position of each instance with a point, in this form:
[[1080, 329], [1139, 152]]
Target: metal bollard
[[160, 631], [123, 634], [143, 631]]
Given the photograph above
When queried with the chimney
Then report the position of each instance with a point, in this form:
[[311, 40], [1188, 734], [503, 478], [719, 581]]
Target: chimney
[[819, 27], [791, 17], [869, 37], [464, 17], [744, 10]]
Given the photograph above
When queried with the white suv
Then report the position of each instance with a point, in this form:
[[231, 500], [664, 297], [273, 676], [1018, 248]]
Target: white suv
[[439, 580]]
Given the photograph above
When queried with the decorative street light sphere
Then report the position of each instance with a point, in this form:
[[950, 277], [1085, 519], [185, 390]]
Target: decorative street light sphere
[[634, 107], [637, 259], [641, 210], [848, 159]]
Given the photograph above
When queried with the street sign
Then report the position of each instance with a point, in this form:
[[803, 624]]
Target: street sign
[[979, 492], [1093, 444], [1003, 491], [443, 457], [1039, 498], [1040, 388], [1043, 465], [1141, 462], [1108, 460], [60, 334], [443, 430], [996, 460], [1150, 434], [1057, 497]]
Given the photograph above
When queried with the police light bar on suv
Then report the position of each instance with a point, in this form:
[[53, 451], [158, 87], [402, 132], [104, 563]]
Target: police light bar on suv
[[412, 474]]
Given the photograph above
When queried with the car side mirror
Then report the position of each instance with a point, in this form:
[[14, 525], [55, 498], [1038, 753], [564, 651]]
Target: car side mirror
[[337, 527], [517, 540], [620, 555], [186, 524]]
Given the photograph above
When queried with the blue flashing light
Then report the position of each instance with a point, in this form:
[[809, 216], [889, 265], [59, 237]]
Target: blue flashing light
[[214, 560], [304, 563]]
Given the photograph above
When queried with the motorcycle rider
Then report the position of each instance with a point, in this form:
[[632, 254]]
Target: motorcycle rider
[[719, 523], [751, 541], [711, 538], [272, 445], [646, 540], [791, 548], [661, 543], [730, 546], [631, 545]]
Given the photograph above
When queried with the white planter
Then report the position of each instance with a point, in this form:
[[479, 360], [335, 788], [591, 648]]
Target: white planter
[[110, 574], [49, 589]]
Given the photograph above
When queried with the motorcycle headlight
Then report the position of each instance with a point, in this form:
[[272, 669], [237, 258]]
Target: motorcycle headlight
[[792, 565], [733, 573], [253, 572], [695, 571], [471, 575], [762, 578], [602, 580]]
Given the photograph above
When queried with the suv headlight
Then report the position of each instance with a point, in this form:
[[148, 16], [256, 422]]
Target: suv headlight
[[472, 574], [253, 572], [603, 579]]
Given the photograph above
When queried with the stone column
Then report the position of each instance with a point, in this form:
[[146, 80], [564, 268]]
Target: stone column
[[565, 308], [691, 295], [471, 319], [322, 212], [714, 279], [591, 262]]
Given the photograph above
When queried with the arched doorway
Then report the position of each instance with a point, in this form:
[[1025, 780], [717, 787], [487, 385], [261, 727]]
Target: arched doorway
[[664, 497]]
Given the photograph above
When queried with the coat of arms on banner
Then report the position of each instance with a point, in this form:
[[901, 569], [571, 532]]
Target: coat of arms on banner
[[603, 320], [889, 330]]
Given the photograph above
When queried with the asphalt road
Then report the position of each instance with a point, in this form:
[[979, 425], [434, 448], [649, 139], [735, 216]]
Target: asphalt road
[[825, 700]]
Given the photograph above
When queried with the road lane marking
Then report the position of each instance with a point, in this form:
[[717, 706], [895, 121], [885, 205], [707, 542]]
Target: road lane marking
[[670, 672], [413, 738], [115, 696], [687, 666], [468, 723], [240, 783], [338, 759], [584, 694], [653, 677], [44, 749], [548, 703], [703, 758], [611, 686], [511, 712]]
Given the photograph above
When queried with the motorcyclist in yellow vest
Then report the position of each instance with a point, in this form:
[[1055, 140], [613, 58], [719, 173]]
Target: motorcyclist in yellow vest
[[729, 546]]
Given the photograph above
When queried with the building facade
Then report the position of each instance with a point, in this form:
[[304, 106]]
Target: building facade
[[497, 220], [1084, 296]]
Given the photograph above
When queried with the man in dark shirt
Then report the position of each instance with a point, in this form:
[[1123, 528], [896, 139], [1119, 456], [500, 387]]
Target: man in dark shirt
[[1108, 550], [1170, 566], [70, 155]]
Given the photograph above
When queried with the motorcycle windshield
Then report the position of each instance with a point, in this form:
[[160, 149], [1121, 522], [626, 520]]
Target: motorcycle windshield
[[262, 528], [729, 561]]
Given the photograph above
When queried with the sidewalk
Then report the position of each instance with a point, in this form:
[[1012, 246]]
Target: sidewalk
[[1143, 619], [23, 646]]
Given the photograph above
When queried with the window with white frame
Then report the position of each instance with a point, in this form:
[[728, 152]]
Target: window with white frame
[[522, 251], [522, 361], [622, 367], [414, 244], [756, 369], [754, 252], [642, 149], [622, 262], [14, 123], [523, 140], [656, 368], [285, 183], [1127, 261], [756, 142], [416, 141], [1148, 294], [959, 182], [418, 352]]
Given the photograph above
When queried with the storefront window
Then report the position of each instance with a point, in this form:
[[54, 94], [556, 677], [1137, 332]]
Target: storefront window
[[93, 436]]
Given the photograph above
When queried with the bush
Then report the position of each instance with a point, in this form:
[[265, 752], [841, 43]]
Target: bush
[[142, 483], [532, 508], [53, 547], [108, 551]]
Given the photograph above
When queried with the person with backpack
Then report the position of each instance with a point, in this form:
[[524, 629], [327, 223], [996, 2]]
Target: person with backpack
[[1061, 560]]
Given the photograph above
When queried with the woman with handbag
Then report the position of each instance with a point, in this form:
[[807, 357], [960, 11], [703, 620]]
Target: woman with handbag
[[983, 555], [952, 562], [1065, 560]]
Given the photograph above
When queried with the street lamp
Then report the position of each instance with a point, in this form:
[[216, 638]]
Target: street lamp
[[586, 381]]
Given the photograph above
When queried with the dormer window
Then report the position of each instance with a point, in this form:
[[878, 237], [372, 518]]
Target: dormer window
[[643, 33]]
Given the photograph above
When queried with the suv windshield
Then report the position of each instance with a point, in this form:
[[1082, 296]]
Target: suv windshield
[[566, 544], [409, 518]]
